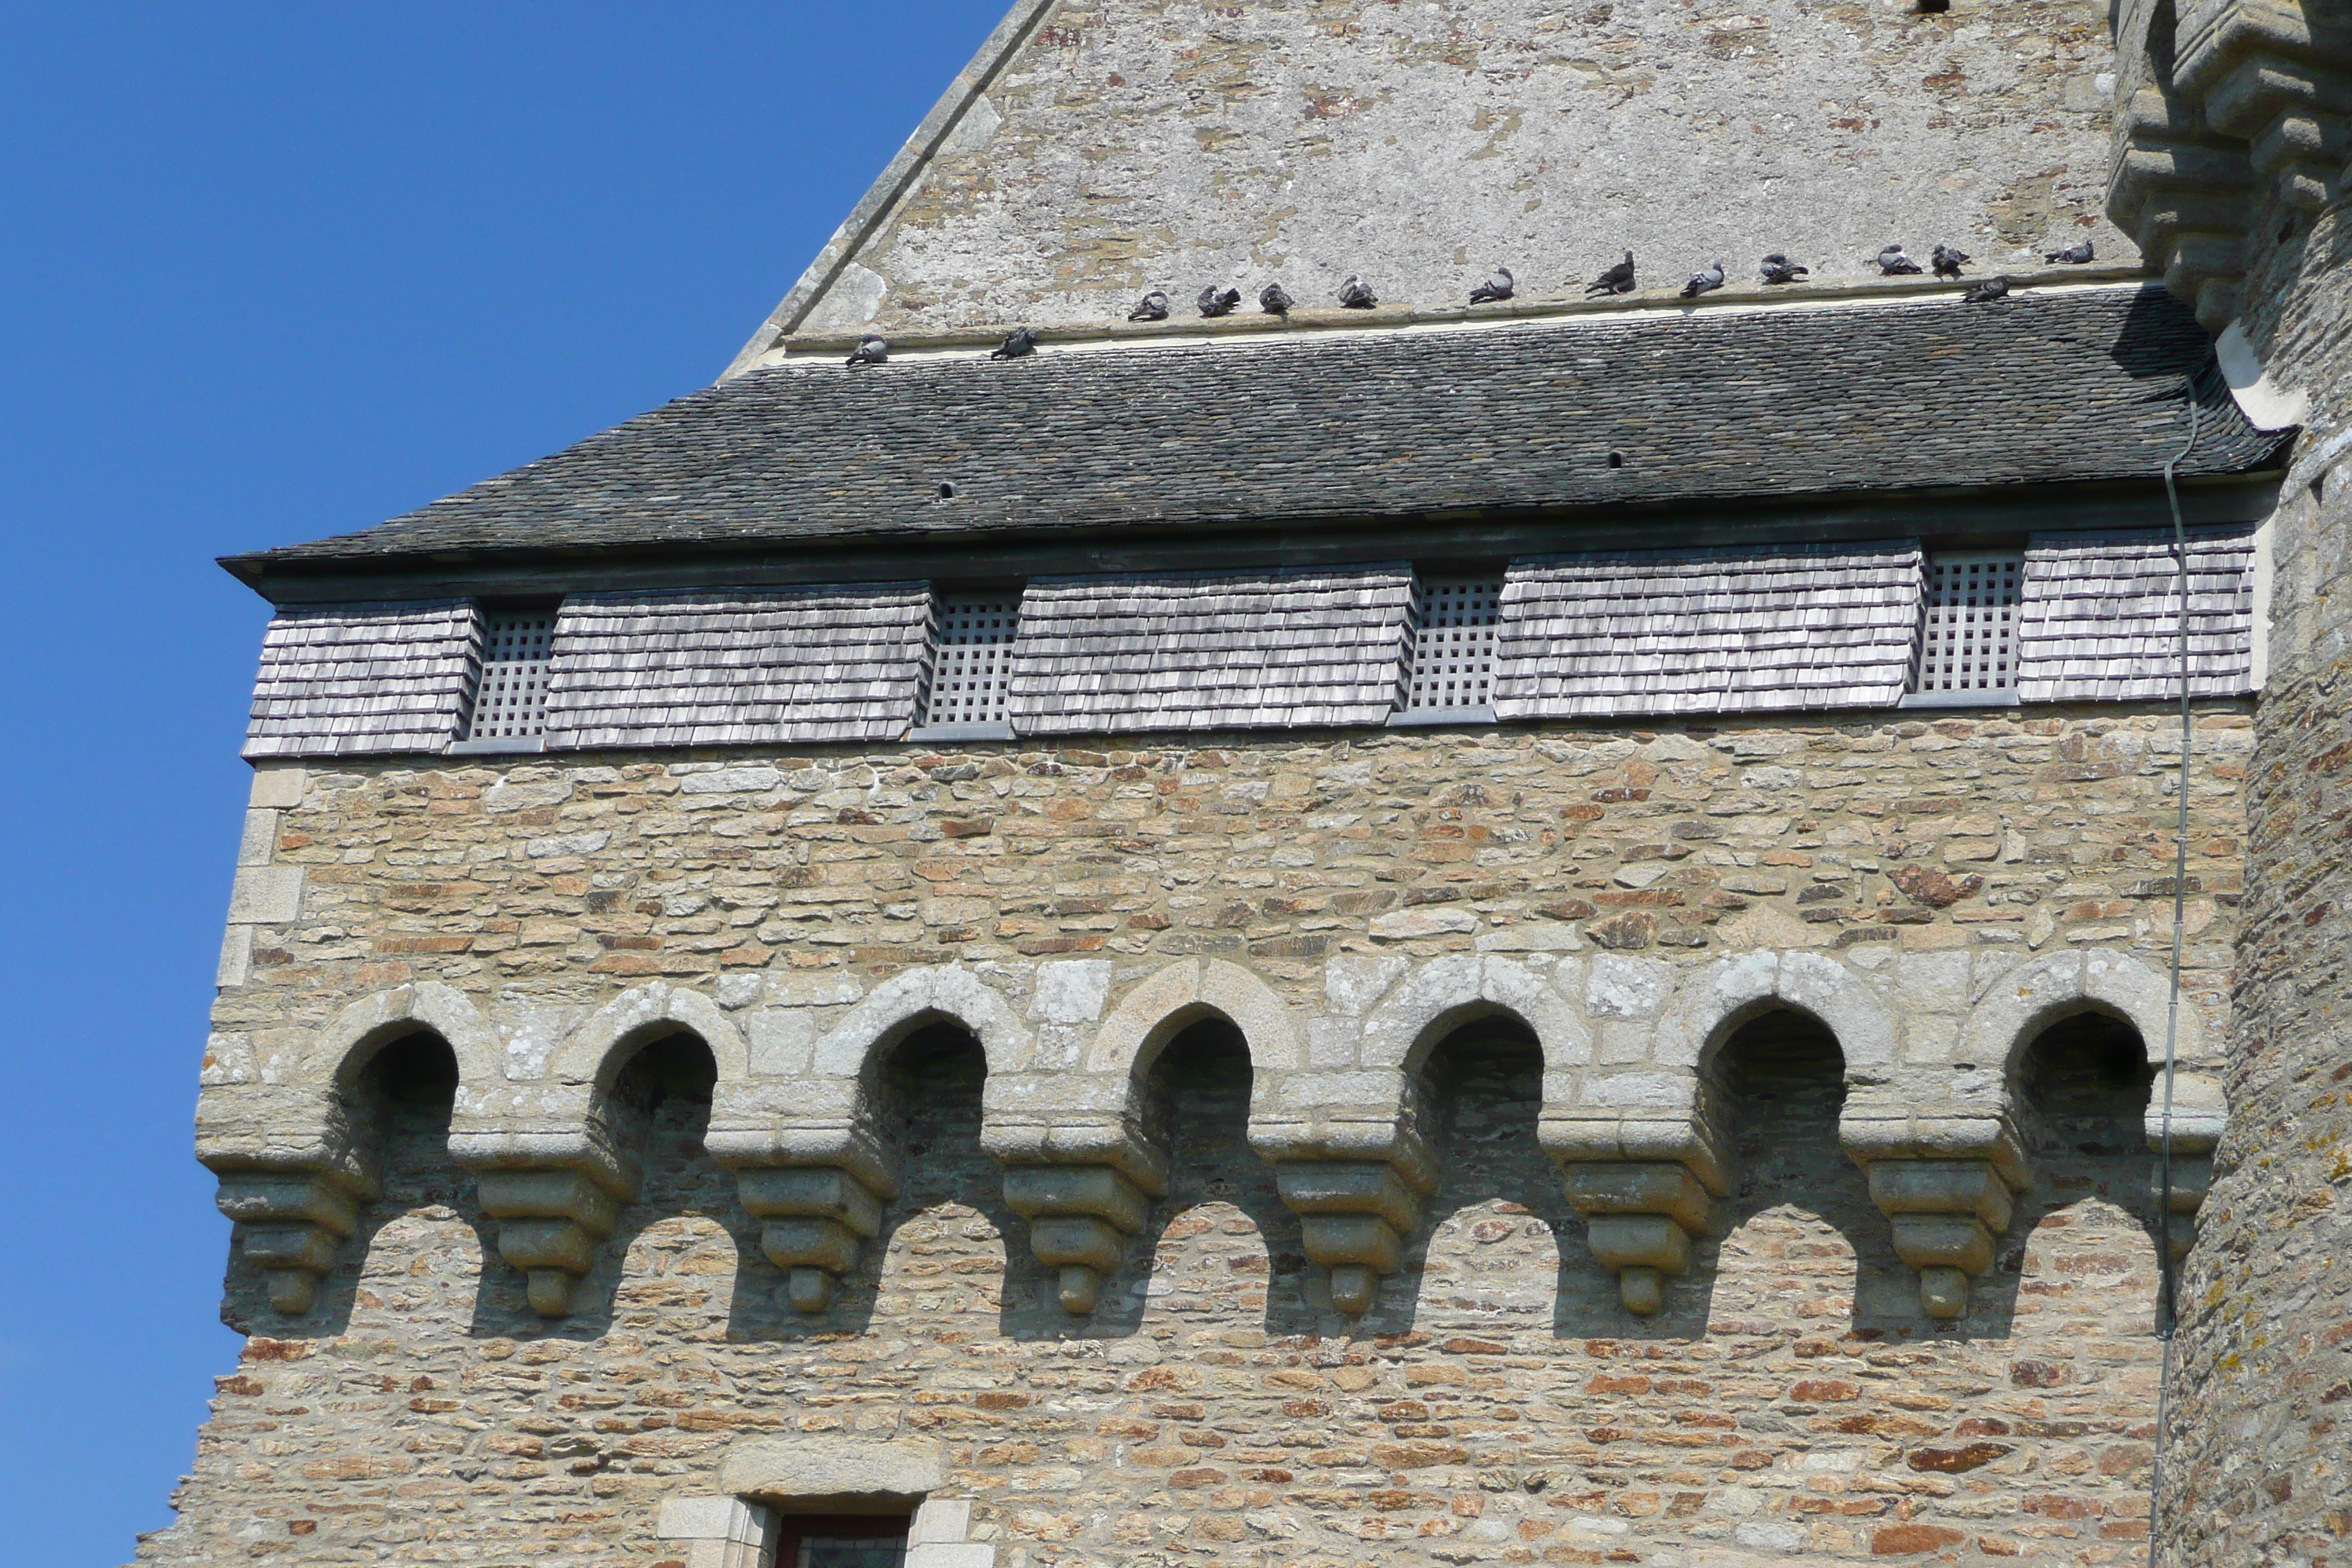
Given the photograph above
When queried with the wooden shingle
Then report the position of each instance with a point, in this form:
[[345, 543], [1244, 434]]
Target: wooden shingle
[[743, 668], [2100, 620], [1717, 630], [1206, 650], [352, 679]]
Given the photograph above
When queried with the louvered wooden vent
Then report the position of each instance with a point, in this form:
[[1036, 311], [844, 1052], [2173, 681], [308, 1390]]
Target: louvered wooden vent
[[1968, 632], [511, 698], [1454, 643], [971, 657]]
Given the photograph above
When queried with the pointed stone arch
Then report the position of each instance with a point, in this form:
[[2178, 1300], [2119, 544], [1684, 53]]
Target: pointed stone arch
[[1714, 1001], [1447, 992], [341, 1050], [944, 993], [2017, 1006], [1174, 998], [595, 1052]]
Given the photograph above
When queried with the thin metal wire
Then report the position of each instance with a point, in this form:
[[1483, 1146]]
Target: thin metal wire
[[2168, 1301]]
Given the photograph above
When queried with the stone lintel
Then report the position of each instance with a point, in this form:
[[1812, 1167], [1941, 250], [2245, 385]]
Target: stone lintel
[[820, 1473]]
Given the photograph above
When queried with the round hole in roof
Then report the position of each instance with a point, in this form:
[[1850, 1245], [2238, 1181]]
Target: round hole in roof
[[1616, 459], [947, 492]]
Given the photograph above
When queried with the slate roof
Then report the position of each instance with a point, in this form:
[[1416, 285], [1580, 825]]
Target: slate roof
[[1199, 650], [2099, 619], [2074, 385], [1688, 631], [738, 669], [357, 678]]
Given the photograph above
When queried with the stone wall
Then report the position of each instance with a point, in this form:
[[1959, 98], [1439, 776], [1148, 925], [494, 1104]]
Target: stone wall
[[2233, 145], [1497, 1402], [2260, 1443], [1132, 143]]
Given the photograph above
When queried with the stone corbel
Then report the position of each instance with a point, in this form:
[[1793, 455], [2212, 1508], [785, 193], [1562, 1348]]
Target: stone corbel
[[817, 1186], [1081, 1171], [293, 1177], [2278, 76], [1646, 1189], [1353, 1218], [290, 1224], [2198, 1117], [1946, 1185], [556, 1194]]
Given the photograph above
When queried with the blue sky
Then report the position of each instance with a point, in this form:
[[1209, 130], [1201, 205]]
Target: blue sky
[[271, 272]]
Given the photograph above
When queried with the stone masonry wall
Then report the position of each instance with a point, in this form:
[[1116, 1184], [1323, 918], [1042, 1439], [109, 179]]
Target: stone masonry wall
[[1497, 1405], [1132, 143], [2263, 1429]]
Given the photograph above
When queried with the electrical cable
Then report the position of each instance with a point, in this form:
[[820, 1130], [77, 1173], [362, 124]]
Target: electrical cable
[[2168, 1301]]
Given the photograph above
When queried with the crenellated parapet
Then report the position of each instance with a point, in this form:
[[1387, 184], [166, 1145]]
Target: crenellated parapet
[[2227, 108], [1636, 1110]]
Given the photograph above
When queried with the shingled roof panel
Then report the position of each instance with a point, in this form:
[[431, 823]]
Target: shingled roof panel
[[1686, 631], [2071, 384], [359, 678], [2101, 616], [738, 669], [1200, 650]]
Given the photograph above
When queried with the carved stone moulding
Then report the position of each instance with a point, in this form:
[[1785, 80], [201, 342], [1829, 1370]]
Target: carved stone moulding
[[290, 1221], [818, 1191], [2200, 1114], [1645, 1188], [1946, 1187], [556, 1193], [1080, 1218]]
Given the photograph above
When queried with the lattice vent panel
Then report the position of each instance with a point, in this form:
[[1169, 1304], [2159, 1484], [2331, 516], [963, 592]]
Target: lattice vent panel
[[1968, 632], [971, 657], [1454, 643], [510, 699]]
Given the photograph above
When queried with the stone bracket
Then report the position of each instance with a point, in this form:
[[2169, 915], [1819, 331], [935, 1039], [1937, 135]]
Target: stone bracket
[[1946, 1214], [813, 1220], [1080, 1218], [551, 1225], [1353, 1218], [1640, 1217], [290, 1224]]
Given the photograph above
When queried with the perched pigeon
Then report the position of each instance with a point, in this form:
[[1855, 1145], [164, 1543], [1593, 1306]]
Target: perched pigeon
[[1707, 278], [1274, 301], [1500, 285], [1946, 259], [1357, 295], [1153, 308], [1779, 268], [2074, 255], [1984, 294], [1893, 263], [871, 350], [1022, 342], [1217, 301], [1618, 279]]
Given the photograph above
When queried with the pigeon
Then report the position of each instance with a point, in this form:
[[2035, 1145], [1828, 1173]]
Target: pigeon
[[1356, 294], [2074, 255], [1779, 268], [1217, 301], [1893, 263], [1946, 259], [1984, 294], [1022, 342], [1153, 308], [1500, 285], [871, 350], [1618, 279], [1707, 277], [1274, 301]]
